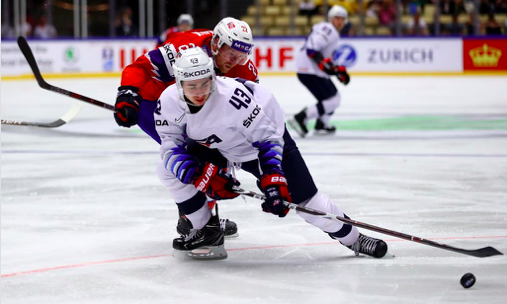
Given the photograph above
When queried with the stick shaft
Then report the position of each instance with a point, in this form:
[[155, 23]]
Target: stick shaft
[[27, 52], [481, 253]]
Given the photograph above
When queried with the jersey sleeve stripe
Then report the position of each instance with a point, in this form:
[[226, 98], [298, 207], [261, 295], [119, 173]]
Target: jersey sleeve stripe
[[160, 68]]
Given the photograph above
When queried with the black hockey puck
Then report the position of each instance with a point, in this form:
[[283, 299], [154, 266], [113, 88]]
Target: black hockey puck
[[467, 280]]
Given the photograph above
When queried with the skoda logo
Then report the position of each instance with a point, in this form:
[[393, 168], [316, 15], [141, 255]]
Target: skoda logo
[[345, 55]]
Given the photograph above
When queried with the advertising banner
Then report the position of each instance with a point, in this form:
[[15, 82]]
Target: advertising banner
[[71, 56], [272, 55], [369, 55], [485, 54]]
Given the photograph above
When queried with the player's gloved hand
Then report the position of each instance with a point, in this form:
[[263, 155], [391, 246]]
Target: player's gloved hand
[[127, 106], [341, 73], [327, 66], [275, 189], [216, 183]]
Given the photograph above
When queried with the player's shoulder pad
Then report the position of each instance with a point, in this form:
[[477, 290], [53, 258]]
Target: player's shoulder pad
[[169, 104], [325, 30], [200, 32], [247, 71], [237, 96], [242, 102]]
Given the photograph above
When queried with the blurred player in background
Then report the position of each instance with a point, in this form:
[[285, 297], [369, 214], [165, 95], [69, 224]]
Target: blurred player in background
[[142, 82], [245, 123], [185, 23], [315, 65]]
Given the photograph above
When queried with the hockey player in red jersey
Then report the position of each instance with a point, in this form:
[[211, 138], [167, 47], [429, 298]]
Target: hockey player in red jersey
[[142, 82]]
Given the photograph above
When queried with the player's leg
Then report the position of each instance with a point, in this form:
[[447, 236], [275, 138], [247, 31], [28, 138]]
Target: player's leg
[[322, 125], [304, 192], [327, 107], [207, 155], [147, 124], [206, 238], [328, 99]]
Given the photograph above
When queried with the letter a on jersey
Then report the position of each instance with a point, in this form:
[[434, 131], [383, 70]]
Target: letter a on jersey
[[208, 141]]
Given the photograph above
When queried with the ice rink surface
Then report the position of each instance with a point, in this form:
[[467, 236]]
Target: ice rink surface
[[85, 219]]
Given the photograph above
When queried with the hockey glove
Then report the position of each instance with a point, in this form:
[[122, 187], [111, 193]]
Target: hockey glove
[[275, 188], [327, 66], [216, 183], [127, 106], [341, 73]]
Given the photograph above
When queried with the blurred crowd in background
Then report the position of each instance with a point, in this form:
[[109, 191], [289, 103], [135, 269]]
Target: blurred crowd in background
[[150, 18]]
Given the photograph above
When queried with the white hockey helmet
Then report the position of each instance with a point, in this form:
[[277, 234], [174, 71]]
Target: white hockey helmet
[[337, 11], [185, 18], [236, 34], [192, 64]]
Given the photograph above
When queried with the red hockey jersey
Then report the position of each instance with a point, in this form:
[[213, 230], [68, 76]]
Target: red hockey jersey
[[152, 72]]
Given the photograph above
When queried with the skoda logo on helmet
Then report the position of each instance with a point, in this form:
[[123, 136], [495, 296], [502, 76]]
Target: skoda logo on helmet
[[196, 73]]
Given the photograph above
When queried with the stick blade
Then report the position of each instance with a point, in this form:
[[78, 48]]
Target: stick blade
[[484, 252]]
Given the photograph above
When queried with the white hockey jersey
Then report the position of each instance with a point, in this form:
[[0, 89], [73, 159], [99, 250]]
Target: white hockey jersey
[[324, 39], [238, 114]]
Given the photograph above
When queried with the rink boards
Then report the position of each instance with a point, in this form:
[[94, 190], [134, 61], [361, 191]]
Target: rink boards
[[273, 55]]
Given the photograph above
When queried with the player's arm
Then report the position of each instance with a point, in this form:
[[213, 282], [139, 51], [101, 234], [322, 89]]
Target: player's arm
[[205, 177], [326, 65], [317, 41], [251, 72], [151, 67], [263, 125], [247, 72]]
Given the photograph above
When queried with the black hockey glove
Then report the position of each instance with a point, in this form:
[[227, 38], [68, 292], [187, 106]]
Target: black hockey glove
[[127, 106], [275, 189], [216, 183], [341, 73]]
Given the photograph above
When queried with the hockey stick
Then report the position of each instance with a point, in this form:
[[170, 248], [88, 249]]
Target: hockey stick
[[65, 118], [480, 253], [27, 52]]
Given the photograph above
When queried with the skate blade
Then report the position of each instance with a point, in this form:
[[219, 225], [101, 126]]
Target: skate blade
[[323, 133], [295, 126], [235, 235], [205, 253]]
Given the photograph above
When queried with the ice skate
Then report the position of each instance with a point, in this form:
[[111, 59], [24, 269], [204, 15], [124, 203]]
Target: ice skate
[[322, 129], [229, 227], [204, 244], [298, 123], [369, 246]]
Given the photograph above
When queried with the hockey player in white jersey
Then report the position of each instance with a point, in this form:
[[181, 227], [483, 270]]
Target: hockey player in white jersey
[[315, 65], [245, 124]]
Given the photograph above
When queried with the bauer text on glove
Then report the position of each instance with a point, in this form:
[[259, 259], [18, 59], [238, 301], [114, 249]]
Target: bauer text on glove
[[216, 183], [275, 189]]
